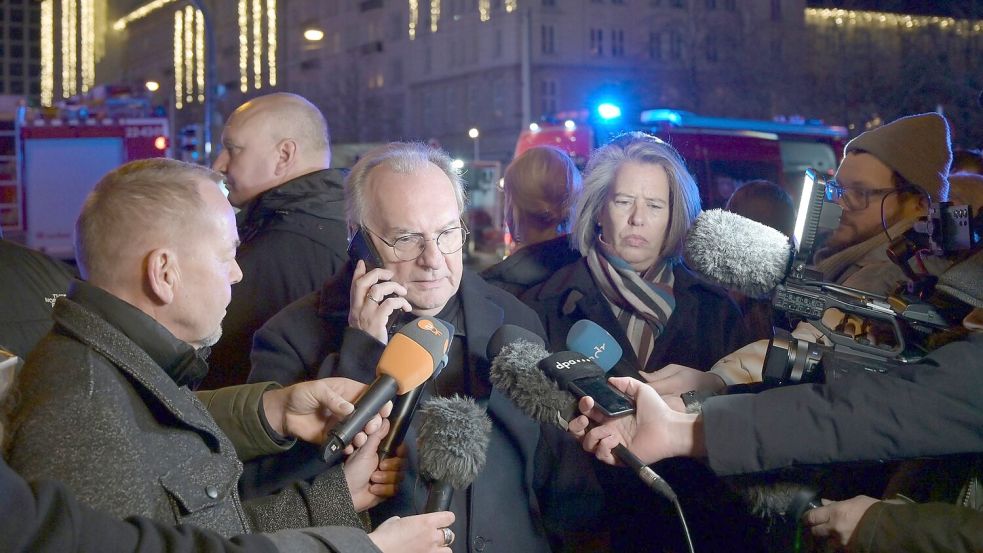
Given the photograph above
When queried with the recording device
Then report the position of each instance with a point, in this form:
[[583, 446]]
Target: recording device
[[453, 440], [410, 358], [361, 247], [588, 338], [404, 406], [582, 377], [515, 354], [749, 257]]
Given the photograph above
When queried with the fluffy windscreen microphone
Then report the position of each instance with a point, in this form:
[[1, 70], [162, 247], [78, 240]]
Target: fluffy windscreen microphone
[[787, 500], [515, 372], [737, 253], [452, 442]]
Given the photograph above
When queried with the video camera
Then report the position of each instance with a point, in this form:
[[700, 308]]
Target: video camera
[[908, 323]]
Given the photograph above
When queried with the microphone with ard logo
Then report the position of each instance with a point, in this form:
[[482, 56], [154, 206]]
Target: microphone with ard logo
[[588, 338]]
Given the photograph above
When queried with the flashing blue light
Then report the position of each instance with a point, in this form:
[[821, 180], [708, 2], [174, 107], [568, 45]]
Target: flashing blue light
[[609, 111]]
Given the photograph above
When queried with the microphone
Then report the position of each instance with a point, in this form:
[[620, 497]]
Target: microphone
[[452, 443], [582, 377], [513, 372], [405, 405], [788, 500], [588, 338], [737, 253], [408, 360]]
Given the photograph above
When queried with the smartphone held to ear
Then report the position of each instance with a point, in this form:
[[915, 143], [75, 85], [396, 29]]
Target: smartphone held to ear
[[360, 247]]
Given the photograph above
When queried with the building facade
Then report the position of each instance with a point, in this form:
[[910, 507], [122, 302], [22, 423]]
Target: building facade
[[433, 69]]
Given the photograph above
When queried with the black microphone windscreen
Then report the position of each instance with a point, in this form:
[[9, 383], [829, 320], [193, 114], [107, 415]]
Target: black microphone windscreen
[[778, 499], [515, 372], [506, 334], [737, 253], [453, 440]]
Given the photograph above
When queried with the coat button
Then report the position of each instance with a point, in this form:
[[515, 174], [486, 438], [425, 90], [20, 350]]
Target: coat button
[[211, 491], [479, 543]]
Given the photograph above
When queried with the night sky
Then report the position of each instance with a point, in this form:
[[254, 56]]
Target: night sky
[[954, 8]]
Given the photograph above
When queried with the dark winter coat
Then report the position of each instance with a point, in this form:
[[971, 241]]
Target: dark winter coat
[[531, 265], [45, 518], [29, 284], [104, 407], [293, 238], [704, 326], [930, 408], [499, 512]]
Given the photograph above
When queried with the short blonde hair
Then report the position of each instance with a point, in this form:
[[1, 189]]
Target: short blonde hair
[[542, 184], [400, 157], [601, 172], [136, 200]]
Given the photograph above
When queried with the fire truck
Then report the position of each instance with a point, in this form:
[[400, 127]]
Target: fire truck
[[721, 153], [50, 160]]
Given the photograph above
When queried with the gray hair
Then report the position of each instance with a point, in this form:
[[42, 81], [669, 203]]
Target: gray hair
[[400, 157], [135, 200], [601, 172]]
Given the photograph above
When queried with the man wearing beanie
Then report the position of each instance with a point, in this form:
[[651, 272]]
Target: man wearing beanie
[[885, 172]]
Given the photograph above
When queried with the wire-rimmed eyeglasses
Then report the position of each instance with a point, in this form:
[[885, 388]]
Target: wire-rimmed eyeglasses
[[411, 246]]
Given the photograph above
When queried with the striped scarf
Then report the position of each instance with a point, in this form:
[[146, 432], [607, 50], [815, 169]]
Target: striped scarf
[[641, 303]]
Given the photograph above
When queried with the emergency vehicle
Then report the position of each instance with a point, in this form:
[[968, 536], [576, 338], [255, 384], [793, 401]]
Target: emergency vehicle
[[721, 153], [50, 161]]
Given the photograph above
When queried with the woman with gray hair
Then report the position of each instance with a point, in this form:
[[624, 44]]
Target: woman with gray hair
[[638, 202]]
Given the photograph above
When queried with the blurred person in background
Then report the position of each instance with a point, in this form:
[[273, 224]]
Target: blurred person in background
[[540, 187], [275, 158], [769, 204]]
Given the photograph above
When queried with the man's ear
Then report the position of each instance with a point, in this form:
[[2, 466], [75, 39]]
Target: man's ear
[[286, 152], [162, 275]]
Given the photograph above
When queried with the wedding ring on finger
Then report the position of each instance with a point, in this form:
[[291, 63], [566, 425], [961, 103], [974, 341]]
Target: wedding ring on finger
[[448, 536], [368, 296]]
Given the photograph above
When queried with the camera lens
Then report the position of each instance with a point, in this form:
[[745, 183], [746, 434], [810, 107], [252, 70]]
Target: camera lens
[[792, 361]]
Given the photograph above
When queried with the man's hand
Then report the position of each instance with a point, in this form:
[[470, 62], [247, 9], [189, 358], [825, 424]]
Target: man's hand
[[307, 409], [837, 520], [370, 309], [370, 482], [415, 534], [676, 379], [654, 432]]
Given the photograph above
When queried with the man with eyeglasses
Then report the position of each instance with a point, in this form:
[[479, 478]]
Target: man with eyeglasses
[[407, 201], [884, 184]]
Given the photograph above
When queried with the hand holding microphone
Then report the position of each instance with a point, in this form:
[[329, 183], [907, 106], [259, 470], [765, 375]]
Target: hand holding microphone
[[409, 359], [516, 354]]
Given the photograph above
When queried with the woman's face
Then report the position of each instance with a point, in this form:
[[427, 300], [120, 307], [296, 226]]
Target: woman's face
[[635, 217]]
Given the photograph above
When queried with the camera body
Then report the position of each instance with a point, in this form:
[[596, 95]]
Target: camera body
[[887, 330]]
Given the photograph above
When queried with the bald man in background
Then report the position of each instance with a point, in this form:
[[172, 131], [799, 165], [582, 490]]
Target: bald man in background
[[275, 157]]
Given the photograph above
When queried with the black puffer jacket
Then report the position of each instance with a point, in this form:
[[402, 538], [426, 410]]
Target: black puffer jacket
[[293, 238]]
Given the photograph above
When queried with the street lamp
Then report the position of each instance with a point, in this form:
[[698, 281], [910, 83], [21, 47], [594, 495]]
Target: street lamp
[[152, 86], [474, 134], [313, 35]]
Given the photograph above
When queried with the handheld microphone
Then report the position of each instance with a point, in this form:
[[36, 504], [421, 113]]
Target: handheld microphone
[[588, 338], [408, 361], [452, 443], [737, 253], [582, 377], [404, 406], [514, 372], [788, 500]]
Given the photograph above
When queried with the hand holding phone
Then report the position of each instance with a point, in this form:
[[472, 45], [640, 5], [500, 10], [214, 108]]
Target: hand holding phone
[[376, 296]]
